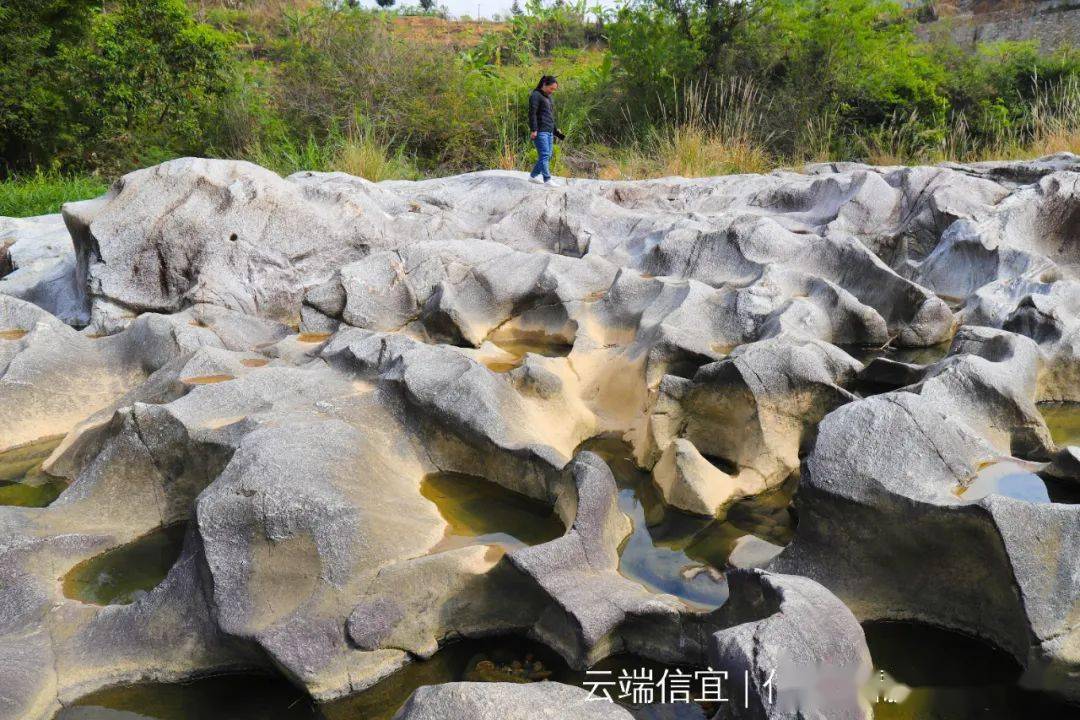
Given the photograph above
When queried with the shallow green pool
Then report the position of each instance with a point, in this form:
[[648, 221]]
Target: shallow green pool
[[224, 697], [1063, 419], [22, 481], [681, 554], [480, 512], [238, 697], [120, 576], [912, 356]]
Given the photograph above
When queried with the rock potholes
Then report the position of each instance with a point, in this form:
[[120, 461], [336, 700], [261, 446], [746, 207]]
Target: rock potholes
[[332, 430]]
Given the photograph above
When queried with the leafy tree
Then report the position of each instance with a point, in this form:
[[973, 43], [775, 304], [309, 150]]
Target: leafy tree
[[385, 3], [655, 49], [32, 34], [859, 60], [859, 56], [661, 46], [427, 5], [140, 87], [83, 85]]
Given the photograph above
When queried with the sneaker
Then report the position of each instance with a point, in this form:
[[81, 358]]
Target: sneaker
[[554, 182], [536, 180]]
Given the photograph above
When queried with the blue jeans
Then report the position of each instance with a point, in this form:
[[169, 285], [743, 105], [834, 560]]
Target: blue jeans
[[543, 143]]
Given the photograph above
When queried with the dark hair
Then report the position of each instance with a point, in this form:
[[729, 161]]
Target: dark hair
[[546, 80]]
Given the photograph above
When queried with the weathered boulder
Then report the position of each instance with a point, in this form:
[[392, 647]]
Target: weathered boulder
[[37, 264], [52, 377], [741, 422], [210, 231], [690, 482], [280, 368], [579, 572], [901, 492], [794, 649]]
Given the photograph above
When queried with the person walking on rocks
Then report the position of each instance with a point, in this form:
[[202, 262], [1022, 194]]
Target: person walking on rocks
[[542, 127]]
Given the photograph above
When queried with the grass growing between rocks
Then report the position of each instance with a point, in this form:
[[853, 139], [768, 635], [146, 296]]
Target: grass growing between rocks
[[43, 193]]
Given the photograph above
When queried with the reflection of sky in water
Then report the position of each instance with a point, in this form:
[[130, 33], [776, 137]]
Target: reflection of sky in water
[[681, 554], [1007, 477], [1016, 479], [664, 569]]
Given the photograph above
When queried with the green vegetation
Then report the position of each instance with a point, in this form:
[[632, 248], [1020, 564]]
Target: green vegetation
[[43, 193], [692, 87]]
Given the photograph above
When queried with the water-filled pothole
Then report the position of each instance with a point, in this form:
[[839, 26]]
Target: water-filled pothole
[[207, 379], [1017, 479], [926, 673], [520, 346], [912, 356], [124, 574], [23, 483], [313, 337], [222, 697], [684, 555], [489, 660], [503, 364], [13, 334], [1063, 419], [480, 512], [498, 659], [243, 697]]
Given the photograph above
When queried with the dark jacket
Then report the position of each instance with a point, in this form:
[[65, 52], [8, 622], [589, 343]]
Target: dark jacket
[[541, 113]]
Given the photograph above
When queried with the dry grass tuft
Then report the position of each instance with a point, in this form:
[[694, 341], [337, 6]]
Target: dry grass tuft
[[365, 155]]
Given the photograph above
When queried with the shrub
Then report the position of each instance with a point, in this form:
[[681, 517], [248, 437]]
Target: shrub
[[110, 88], [143, 85], [33, 104], [687, 86]]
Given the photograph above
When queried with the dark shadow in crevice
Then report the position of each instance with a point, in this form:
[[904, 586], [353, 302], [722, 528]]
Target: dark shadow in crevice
[[926, 672]]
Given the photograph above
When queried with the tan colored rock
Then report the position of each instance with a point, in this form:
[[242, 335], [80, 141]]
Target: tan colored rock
[[690, 482]]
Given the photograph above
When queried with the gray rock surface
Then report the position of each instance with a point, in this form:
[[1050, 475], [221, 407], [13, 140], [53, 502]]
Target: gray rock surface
[[802, 652], [899, 496], [37, 264], [281, 365]]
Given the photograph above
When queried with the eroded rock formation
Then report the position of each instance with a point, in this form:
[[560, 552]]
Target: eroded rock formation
[[279, 365]]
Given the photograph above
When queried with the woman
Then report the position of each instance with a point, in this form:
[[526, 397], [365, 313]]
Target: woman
[[543, 129]]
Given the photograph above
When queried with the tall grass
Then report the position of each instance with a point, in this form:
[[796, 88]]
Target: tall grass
[[44, 192], [728, 129], [718, 130], [1051, 125], [735, 129], [362, 150], [511, 151], [1055, 120]]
